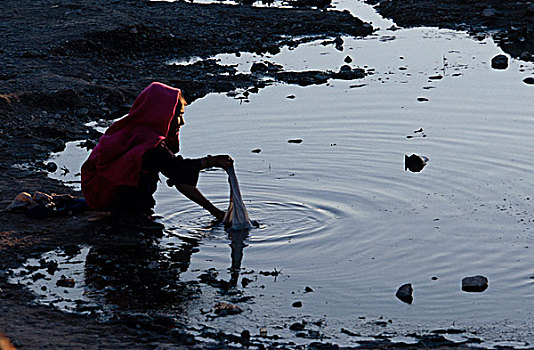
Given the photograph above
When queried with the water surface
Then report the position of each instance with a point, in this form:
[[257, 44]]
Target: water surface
[[339, 213]]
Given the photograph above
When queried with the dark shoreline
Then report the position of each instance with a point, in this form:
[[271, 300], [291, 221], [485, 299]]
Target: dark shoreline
[[66, 63], [509, 23]]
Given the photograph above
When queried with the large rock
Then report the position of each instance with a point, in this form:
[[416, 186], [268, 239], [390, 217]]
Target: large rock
[[475, 284], [529, 80], [405, 293], [499, 62]]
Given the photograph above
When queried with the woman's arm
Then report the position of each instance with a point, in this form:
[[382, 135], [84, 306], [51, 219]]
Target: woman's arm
[[196, 196]]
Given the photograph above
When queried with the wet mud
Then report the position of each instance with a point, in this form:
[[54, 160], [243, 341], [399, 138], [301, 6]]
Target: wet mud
[[508, 22]]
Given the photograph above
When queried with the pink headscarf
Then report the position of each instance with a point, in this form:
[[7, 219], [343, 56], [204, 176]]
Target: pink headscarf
[[116, 160]]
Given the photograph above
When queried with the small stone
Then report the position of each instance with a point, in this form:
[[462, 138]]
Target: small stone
[[499, 62], [51, 167], [297, 326], [259, 67], [83, 111], [415, 163], [245, 282], [297, 304], [263, 331], [65, 282], [434, 278], [245, 337], [474, 284], [290, 97], [348, 59], [295, 141], [405, 293], [308, 290], [223, 309], [422, 99], [529, 80], [256, 150]]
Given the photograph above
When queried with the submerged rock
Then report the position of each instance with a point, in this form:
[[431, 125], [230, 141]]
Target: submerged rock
[[499, 62], [475, 284], [405, 293]]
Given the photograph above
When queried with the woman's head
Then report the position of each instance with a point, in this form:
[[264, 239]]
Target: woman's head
[[172, 138]]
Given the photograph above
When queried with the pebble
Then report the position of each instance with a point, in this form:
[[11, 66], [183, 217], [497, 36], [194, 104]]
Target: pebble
[[297, 304], [474, 284], [499, 62], [405, 293], [348, 59], [295, 141], [529, 80], [51, 167], [66, 282]]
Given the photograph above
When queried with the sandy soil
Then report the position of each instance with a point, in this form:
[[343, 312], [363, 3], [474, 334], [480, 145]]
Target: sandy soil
[[65, 63]]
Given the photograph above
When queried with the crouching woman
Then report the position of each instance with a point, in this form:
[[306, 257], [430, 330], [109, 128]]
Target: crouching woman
[[122, 171]]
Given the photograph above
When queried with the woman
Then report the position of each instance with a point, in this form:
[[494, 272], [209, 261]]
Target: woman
[[122, 171]]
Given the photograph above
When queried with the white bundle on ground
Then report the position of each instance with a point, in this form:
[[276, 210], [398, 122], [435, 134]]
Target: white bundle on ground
[[236, 217]]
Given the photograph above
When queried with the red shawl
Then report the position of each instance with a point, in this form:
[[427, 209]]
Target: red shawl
[[116, 160]]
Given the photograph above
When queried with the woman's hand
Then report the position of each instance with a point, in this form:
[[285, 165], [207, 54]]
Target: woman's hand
[[220, 161]]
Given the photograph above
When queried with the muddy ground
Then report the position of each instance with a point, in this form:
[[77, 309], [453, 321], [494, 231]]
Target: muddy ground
[[65, 63], [509, 22]]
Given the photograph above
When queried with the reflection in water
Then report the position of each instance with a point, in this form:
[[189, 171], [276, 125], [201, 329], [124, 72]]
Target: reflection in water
[[237, 244], [136, 273]]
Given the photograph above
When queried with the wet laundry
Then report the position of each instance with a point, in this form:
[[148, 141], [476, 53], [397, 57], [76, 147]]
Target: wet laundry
[[236, 217]]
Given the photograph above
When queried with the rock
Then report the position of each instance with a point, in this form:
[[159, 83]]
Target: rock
[[475, 284], [422, 99], [405, 293], [83, 111], [529, 80], [348, 59], [295, 141], [224, 309], [348, 73], [256, 150], [499, 62], [245, 282], [297, 326], [245, 337], [297, 304], [414, 163], [291, 97], [65, 282], [338, 42], [263, 331], [51, 167], [259, 67], [308, 289], [531, 8]]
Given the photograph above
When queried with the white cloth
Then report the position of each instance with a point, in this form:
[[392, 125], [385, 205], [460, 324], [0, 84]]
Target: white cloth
[[236, 217]]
